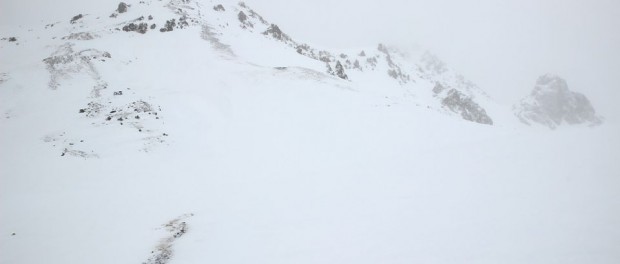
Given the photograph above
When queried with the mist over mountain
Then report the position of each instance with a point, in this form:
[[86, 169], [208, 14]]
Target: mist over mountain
[[182, 131], [552, 104]]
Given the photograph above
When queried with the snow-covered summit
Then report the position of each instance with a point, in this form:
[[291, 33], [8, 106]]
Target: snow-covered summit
[[552, 104]]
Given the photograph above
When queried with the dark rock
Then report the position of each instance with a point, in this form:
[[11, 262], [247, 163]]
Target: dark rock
[[130, 27], [76, 18], [242, 17], [140, 28], [122, 8], [330, 70], [276, 33], [219, 8], [183, 22], [460, 103], [153, 26], [340, 71], [170, 24], [12, 39]]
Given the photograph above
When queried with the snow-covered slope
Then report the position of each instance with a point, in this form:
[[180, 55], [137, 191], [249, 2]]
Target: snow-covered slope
[[215, 143]]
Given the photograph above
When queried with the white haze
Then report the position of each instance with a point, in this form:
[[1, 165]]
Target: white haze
[[290, 165], [501, 45]]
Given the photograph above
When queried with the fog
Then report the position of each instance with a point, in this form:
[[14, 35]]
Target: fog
[[503, 46]]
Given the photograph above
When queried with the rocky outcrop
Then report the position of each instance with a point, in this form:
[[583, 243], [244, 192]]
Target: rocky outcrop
[[458, 102], [76, 18], [122, 8], [552, 104], [140, 28]]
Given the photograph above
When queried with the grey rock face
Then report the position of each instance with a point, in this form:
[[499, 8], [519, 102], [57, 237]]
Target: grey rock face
[[552, 104], [219, 8], [340, 71], [242, 17], [76, 18], [462, 104], [140, 28], [122, 8], [275, 32]]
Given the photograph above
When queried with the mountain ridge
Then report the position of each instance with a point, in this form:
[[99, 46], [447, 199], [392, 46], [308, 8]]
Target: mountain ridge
[[217, 24]]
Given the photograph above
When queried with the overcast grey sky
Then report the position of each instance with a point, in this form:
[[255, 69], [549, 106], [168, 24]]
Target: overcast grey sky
[[503, 45]]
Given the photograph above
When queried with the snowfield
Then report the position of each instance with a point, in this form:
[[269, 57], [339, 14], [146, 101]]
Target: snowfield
[[226, 146]]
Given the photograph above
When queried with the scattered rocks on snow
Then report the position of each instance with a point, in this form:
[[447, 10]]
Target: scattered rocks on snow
[[183, 22], [65, 62], [78, 153], [170, 24], [81, 36], [131, 109], [93, 109], [68, 146], [395, 71], [164, 251], [552, 104], [140, 28]]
